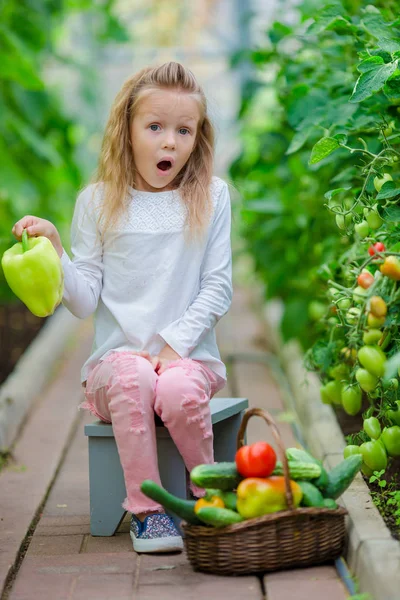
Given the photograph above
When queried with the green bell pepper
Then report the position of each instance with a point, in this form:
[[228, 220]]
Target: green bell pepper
[[33, 271]]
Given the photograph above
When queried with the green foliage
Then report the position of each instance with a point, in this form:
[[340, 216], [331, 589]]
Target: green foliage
[[317, 89], [39, 170]]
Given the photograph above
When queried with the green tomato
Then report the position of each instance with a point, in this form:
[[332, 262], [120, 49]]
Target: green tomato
[[353, 315], [344, 221], [374, 220], [367, 381], [374, 455], [372, 336], [392, 384], [391, 440], [333, 390], [333, 292], [379, 181], [343, 303], [325, 397], [351, 399], [366, 470], [372, 427], [362, 229], [373, 359], [394, 415], [340, 371], [350, 450], [316, 310], [359, 294]]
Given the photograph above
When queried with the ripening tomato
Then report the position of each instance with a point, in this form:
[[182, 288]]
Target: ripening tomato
[[377, 247], [375, 322], [365, 279], [256, 460], [378, 306], [391, 268]]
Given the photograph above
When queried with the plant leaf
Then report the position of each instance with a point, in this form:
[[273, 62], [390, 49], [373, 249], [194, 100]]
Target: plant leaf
[[374, 73], [323, 148]]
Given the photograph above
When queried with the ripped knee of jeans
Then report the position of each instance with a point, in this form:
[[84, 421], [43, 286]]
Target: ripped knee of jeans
[[197, 411], [126, 376]]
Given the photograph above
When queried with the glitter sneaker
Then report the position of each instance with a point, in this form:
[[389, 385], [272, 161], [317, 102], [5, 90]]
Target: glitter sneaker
[[157, 533]]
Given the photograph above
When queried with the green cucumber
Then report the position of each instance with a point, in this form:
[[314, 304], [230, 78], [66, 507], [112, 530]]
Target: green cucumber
[[311, 494], [223, 476], [330, 503], [218, 517], [341, 476], [229, 498], [182, 508], [299, 470], [302, 456]]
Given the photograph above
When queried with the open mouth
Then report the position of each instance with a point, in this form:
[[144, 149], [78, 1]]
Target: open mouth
[[164, 165]]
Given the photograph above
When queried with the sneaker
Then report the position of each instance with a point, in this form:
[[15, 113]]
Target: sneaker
[[157, 533]]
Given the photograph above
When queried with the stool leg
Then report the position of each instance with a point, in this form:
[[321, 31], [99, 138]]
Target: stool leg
[[172, 469], [225, 433], [107, 486]]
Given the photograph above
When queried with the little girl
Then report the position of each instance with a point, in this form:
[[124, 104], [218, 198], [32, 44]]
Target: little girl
[[150, 240]]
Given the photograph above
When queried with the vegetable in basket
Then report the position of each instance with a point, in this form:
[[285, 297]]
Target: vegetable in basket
[[257, 496]]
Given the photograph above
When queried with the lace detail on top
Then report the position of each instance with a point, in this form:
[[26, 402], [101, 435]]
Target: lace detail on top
[[162, 211]]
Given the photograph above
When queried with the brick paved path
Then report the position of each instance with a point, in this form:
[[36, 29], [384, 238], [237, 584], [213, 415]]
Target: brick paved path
[[63, 561]]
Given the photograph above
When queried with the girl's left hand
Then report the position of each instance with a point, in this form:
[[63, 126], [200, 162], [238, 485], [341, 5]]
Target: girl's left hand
[[161, 361]]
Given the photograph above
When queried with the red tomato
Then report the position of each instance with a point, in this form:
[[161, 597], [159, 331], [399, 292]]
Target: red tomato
[[256, 460], [378, 247]]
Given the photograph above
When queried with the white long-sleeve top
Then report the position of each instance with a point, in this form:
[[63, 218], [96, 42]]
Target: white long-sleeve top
[[146, 285]]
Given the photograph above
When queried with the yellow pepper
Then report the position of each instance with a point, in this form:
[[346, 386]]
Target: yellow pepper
[[214, 501], [257, 496]]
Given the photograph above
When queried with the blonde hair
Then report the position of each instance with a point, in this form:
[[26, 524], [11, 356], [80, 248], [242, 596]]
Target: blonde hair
[[116, 168]]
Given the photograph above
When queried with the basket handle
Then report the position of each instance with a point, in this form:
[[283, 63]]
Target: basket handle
[[259, 412]]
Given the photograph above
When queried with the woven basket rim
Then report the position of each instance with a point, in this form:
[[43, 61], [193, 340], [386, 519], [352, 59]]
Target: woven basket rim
[[205, 530]]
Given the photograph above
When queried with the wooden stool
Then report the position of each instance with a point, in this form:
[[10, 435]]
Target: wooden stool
[[106, 480]]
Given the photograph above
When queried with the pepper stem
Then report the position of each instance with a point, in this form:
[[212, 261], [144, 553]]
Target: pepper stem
[[25, 245]]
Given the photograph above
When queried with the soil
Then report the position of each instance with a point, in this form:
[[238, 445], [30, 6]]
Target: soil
[[18, 328], [379, 495]]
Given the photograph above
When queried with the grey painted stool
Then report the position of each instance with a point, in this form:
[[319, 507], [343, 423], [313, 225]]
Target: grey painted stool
[[106, 480]]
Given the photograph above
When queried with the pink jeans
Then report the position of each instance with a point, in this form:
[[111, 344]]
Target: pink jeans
[[125, 390]]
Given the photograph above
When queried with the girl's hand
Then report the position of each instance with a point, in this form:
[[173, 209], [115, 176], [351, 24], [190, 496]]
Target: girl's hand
[[34, 227], [161, 361]]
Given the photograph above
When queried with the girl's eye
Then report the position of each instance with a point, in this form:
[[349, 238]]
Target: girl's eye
[[184, 131], [154, 127]]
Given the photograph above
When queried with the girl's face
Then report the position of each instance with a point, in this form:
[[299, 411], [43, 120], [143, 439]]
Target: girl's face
[[163, 135]]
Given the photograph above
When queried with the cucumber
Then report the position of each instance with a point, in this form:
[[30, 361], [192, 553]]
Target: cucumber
[[229, 498], [330, 503], [223, 476], [299, 470], [182, 508], [218, 517], [311, 494], [341, 476], [299, 455]]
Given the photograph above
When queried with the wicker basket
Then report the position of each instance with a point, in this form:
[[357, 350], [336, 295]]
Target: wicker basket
[[297, 537]]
